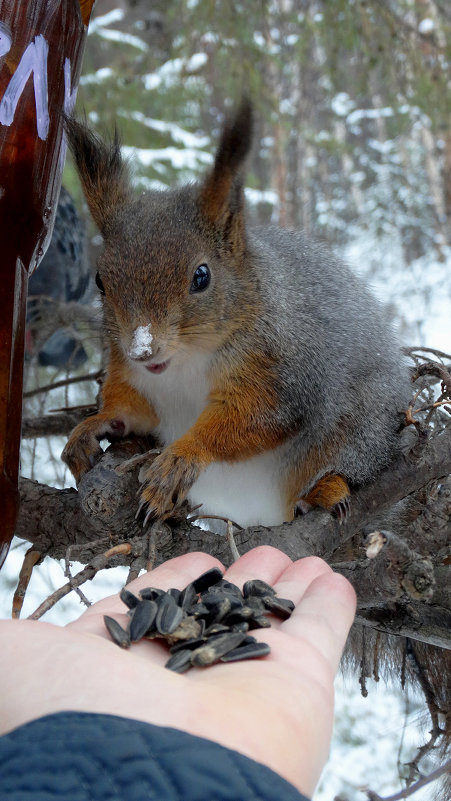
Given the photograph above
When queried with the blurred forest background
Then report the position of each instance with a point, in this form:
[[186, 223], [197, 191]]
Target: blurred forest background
[[352, 143], [353, 101]]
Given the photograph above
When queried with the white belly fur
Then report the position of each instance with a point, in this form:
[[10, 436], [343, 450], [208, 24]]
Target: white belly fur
[[249, 491]]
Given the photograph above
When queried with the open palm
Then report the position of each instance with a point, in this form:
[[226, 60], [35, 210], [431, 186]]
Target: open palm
[[277, 710]]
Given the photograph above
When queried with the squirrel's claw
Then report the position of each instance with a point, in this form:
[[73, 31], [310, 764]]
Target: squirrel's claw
[[342, 509], [142, 506], [145, 513], [165, 484]]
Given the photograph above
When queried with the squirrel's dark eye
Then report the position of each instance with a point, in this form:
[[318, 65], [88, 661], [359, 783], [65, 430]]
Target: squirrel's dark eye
[[100, 284], [201, 279]]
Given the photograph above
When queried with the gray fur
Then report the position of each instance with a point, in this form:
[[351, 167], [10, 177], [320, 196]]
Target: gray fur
[[339, 358]]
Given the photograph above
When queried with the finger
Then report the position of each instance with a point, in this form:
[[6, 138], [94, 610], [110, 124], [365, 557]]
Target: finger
[[264, 562], [297, 577], [176, 572], [324, 615], [289, 579]]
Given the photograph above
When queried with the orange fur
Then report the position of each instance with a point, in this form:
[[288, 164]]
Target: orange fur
[[231, 427], [119, 397], [120, 401], [328, 492]]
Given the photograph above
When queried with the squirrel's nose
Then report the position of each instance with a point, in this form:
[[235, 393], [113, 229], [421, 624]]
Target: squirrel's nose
[[141, 348], [144, 356]]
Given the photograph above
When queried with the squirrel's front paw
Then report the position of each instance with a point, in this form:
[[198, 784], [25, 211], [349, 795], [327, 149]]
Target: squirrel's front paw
[[165, 484], [83, 447]]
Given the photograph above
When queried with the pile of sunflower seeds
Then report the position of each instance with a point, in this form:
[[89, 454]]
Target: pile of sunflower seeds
[[207, 622]]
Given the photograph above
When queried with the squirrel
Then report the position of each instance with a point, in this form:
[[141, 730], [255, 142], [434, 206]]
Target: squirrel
[[262, 364]]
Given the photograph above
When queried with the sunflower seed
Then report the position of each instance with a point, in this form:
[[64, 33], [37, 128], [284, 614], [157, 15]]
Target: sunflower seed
[[219, 608], [256, 604], [239, 615], [281, 607], [143, 619], [169, 615], [207, 579], [223, 636], [151, 593], [216, 593], [180, 661], [237, 603], [258, 588], [199, 610], [116, 632], [215, 648], [230, 588], [190, 644], [128, 598], [226, 588], [259, 622], [251, 651], [216, 628], [210, 598], [188, 595], [187, 629], [175, 594], [243, 627]]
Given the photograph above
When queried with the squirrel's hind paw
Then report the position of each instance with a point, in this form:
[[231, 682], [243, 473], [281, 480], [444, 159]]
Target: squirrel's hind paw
[[331, 492]]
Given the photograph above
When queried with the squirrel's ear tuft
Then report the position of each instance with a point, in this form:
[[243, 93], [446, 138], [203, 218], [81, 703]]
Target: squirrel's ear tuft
[[103, 174], [222, 191]]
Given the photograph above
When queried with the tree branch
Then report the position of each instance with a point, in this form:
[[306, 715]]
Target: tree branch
[[88, 573], [408, 791], [392, 588], [106, 502], [64, 382], [54, 424], [419, 621]]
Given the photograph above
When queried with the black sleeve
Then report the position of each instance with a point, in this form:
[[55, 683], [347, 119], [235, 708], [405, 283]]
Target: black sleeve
[[74, 756]]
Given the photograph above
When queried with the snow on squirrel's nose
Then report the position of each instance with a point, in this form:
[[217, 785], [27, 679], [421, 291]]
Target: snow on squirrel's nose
[[141, 344]]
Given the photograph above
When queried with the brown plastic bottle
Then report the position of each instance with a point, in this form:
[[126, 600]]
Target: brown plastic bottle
[[41, 48]]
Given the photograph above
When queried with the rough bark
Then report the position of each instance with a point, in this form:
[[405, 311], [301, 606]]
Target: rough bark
[[402, 590], [48, 425]]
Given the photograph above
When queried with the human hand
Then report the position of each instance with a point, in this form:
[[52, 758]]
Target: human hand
[[277, 710]]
